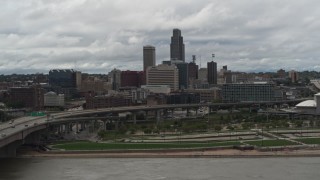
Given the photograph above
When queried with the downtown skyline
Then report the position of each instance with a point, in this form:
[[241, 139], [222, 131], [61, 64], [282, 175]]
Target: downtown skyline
[[98, 36]]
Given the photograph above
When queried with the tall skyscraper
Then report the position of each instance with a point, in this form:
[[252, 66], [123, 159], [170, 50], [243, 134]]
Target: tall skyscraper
[[212, 72], [149, 56], [177, 46]]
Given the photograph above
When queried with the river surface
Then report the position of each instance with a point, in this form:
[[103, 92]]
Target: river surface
[[160, 168]]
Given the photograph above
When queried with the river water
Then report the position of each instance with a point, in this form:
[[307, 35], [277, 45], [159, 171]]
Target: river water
[[159, 168]]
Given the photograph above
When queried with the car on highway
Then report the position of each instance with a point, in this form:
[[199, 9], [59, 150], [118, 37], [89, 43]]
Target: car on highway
[[3, 135], [26, 125], [13, 126]]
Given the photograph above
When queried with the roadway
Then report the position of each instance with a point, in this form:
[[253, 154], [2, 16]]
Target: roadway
[[25, 123]]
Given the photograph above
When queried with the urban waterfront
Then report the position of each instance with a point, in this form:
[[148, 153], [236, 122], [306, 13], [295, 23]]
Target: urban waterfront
[[159, 168]]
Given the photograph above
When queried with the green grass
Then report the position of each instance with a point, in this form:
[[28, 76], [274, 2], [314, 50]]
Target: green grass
[[125, 146], [269, 143], [309, 140]]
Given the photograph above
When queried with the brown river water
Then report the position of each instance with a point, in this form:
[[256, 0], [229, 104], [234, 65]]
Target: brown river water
[[159, 168]]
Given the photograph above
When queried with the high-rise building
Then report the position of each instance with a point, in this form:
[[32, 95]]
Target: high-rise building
[[228, 77], [183, 75], [177, 46], [28, 97], [281, 73], [193, 70], [225, 68], [114, 77], [65, 81], [65, 78], [253, 92], [294, 76], [163, 74], [132, 78], [149, 56], [203, 74], [78, 79], [92, 85], [212, 72]]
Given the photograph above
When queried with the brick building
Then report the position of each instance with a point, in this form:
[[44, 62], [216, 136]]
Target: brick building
[[107, 101], [29, 97]]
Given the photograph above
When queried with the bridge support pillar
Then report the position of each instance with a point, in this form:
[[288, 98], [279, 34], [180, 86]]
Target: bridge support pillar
[[67, 128], [82, 125], [77, 127], [188, 112], [165, 112], [61, 128], [134, 118], [104, 125], [57, 128], [116, 123], [158, 115], [10, 150], [95, 122], [71, 126], [146, 117]]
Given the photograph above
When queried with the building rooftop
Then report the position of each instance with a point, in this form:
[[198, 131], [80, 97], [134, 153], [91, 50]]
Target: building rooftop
[[50, 93], [307, 103]]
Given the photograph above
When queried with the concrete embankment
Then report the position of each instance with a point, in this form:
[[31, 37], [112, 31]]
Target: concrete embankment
[[177, 153]]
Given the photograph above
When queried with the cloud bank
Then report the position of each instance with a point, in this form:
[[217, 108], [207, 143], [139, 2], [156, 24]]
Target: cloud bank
[[96, 36]]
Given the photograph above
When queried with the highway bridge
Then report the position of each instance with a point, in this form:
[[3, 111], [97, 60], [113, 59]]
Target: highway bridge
[[27, 129]]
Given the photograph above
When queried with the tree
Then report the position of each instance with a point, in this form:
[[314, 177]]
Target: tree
[[217, 128], [102, 133], [231, 128], [147, 131], [298, 123]]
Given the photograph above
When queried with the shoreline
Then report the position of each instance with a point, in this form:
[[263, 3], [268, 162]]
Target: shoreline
[[205, 153]]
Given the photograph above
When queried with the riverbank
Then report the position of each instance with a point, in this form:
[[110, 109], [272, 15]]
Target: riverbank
[[203, 153]]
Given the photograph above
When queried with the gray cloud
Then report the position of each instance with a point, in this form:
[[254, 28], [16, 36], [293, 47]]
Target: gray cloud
[[96, 36]]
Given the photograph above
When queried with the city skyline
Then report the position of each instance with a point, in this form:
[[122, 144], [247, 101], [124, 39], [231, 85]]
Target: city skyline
[[96, 37]]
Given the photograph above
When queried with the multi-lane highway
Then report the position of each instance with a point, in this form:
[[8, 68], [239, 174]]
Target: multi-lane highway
[[10, 128], [19, 125]]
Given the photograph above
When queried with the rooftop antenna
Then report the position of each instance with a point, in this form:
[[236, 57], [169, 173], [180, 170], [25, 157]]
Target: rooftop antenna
[[200, 61], [194, 58]]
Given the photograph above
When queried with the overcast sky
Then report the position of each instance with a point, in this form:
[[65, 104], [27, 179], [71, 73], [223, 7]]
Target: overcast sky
[[96, 36]]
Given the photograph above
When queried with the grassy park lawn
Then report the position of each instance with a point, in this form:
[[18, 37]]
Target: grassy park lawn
[[125, 146], [278, 142], [309, 140]]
